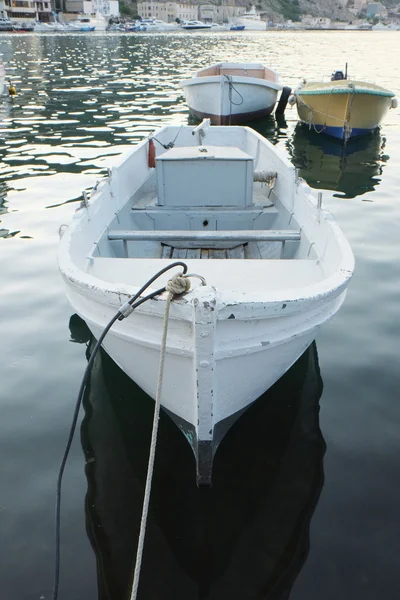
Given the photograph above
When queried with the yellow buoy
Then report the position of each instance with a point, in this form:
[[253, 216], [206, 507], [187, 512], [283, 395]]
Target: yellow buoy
[[11, 89]]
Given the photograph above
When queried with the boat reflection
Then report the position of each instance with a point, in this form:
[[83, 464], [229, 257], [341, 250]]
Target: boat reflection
[[352, 169], [273, 128], [246, 537]]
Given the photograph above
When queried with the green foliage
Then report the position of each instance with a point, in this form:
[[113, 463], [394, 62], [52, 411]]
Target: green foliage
[[290, 9], [126, 9]]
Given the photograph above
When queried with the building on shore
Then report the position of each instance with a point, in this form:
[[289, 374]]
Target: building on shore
[[310, 22], [107, 9], [212, 13], [19, 11], [376, 9], [168, 11], [185, 11]]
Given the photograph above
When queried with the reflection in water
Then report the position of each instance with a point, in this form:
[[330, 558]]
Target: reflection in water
[[273, 128], [353, 169], [246, 537]]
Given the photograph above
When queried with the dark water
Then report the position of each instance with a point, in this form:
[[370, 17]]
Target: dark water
[[306, 495]]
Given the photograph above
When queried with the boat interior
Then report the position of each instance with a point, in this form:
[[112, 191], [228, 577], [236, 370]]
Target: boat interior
[[191, 208], [221, 218], [238, 70]]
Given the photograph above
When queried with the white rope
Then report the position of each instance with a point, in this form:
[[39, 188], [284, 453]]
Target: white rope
[[178, 284]]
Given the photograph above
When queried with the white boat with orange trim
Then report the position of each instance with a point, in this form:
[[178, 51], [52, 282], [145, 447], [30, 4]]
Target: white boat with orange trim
[[280, 269], [343, 108], [232, 93]]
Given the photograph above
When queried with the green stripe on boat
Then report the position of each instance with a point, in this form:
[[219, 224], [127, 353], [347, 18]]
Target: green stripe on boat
[[348, 90]]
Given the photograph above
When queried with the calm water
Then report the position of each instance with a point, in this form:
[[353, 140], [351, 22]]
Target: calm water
[[306, 490]]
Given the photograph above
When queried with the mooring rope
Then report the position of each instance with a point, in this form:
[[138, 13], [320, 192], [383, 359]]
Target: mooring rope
[[178, 284]]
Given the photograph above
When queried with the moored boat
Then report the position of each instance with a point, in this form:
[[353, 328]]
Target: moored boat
[[251, 20], [232, 93], [190, 25], [156, 25], [343, 108], [96, 22], [279, 270]]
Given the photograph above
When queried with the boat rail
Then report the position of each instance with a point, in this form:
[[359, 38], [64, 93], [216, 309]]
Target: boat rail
[[206, 236]]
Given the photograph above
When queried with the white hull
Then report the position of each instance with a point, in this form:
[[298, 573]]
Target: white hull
[[242, 369], [232, 339], [231, 99], [251, 24]]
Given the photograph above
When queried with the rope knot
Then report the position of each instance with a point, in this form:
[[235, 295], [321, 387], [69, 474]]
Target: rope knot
[[178, 284]]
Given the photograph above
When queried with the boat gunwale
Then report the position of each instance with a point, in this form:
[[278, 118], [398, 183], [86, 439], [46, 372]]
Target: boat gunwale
[[268, 83], [115, 294], [333, 87]]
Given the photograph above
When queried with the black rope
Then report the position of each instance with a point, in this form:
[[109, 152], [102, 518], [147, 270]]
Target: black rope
[[134, 302], [170, 144], [232, 87]]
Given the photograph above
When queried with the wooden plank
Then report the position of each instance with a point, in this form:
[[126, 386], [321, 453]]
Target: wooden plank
[[166, 251], [252, 250], [244, 236], [216, 253], [269, 250], [179, 253], [204, 253], [193, 253], [237, 252]]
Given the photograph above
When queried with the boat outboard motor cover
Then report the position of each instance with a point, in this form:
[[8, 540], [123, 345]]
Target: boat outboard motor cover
[[337, 76]]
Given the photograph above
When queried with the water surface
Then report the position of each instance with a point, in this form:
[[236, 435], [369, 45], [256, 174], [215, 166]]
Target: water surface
[[286, 517]]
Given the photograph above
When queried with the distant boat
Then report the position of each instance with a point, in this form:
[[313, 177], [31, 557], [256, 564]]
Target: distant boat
[[236, 27], [6, 24], [23, 26], [343, 108], [52, 26], [188, 25], [232, 93], [251, 20], [89, 23], [156, 25], [275, 268]]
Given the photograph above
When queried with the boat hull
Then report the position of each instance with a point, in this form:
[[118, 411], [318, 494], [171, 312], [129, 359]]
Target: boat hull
[[230, 102], [343, 111], [251, 24], [215, 365]]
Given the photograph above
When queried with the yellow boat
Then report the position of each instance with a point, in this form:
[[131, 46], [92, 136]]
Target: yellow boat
[[343, 108]]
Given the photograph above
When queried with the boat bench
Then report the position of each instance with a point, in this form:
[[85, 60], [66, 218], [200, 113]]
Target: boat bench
[[241, 244], [198, 238]]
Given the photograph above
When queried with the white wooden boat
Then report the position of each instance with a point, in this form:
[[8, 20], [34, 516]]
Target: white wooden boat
[[279, 270], [232, 93], [342, 108]]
